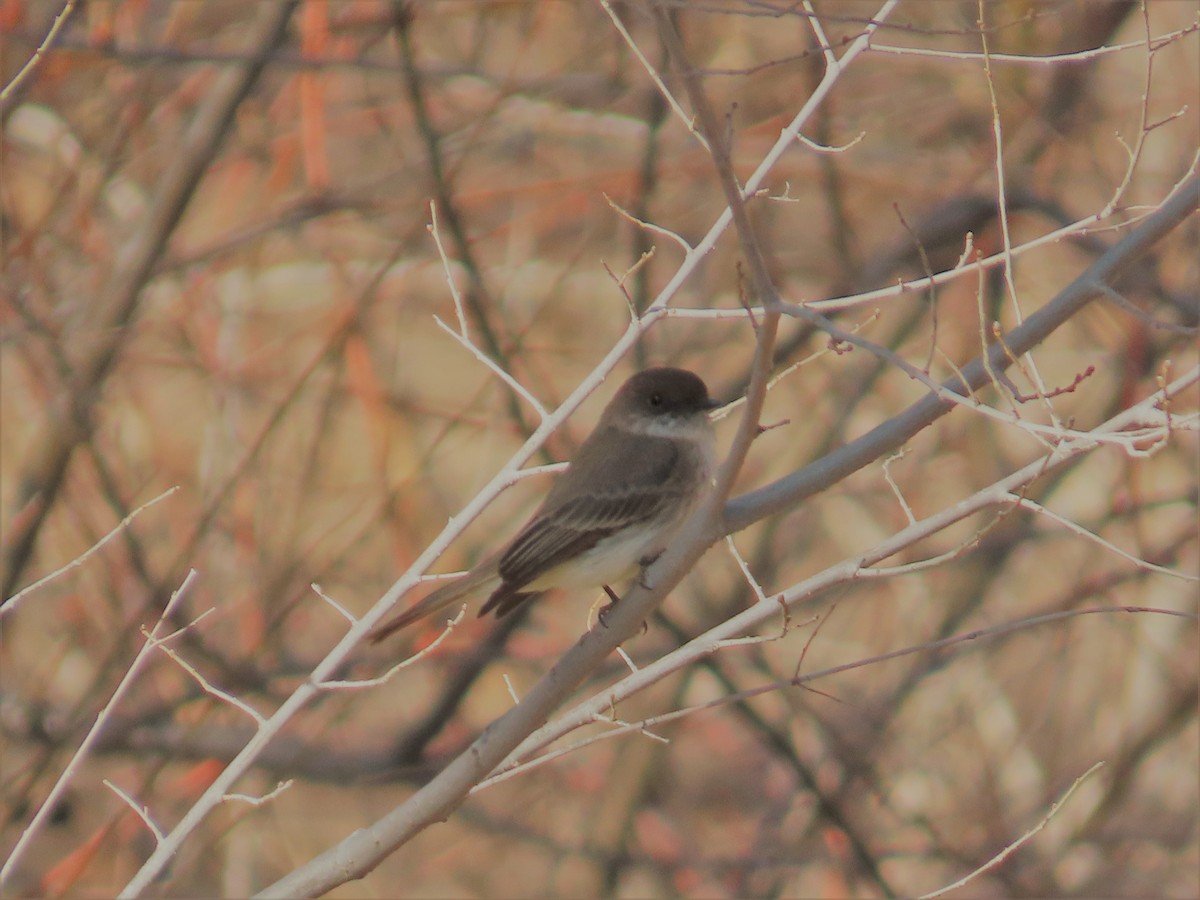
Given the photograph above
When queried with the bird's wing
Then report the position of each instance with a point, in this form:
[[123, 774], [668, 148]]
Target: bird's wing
[[636, 488]]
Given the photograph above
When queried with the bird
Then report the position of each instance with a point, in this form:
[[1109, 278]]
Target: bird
[[632, 484]]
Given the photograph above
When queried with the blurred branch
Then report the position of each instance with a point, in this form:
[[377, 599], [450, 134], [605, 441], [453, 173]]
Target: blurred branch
[[478, 297], [1068, 89], [71, 423], [778, 742], [1178, 713]]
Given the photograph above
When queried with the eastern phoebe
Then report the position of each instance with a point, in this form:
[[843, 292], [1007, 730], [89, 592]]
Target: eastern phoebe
[[633, 482]]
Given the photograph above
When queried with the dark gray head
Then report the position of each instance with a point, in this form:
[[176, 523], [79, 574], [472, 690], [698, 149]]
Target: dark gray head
[[660, 394]]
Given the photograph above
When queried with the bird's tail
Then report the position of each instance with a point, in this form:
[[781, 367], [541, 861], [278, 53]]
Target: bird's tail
[[438, 600]]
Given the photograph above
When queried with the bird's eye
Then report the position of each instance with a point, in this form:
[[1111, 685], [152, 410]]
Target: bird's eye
[[656, 399]]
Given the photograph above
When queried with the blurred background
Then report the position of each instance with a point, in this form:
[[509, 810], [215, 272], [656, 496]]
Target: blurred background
[[218, 274]]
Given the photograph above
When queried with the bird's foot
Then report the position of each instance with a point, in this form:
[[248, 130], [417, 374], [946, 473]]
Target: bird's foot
[[610, 606], [607, 607], [644, 563]]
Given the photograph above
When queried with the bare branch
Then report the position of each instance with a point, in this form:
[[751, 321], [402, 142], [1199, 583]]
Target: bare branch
[[14, 601], [85, 746]]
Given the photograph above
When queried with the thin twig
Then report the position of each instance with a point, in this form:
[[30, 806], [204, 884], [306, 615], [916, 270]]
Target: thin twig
[[12, 602], [44, 48], [64, 779], [1012, 848]]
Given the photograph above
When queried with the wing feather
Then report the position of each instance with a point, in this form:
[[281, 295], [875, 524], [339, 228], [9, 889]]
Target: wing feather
[[638, 486]]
